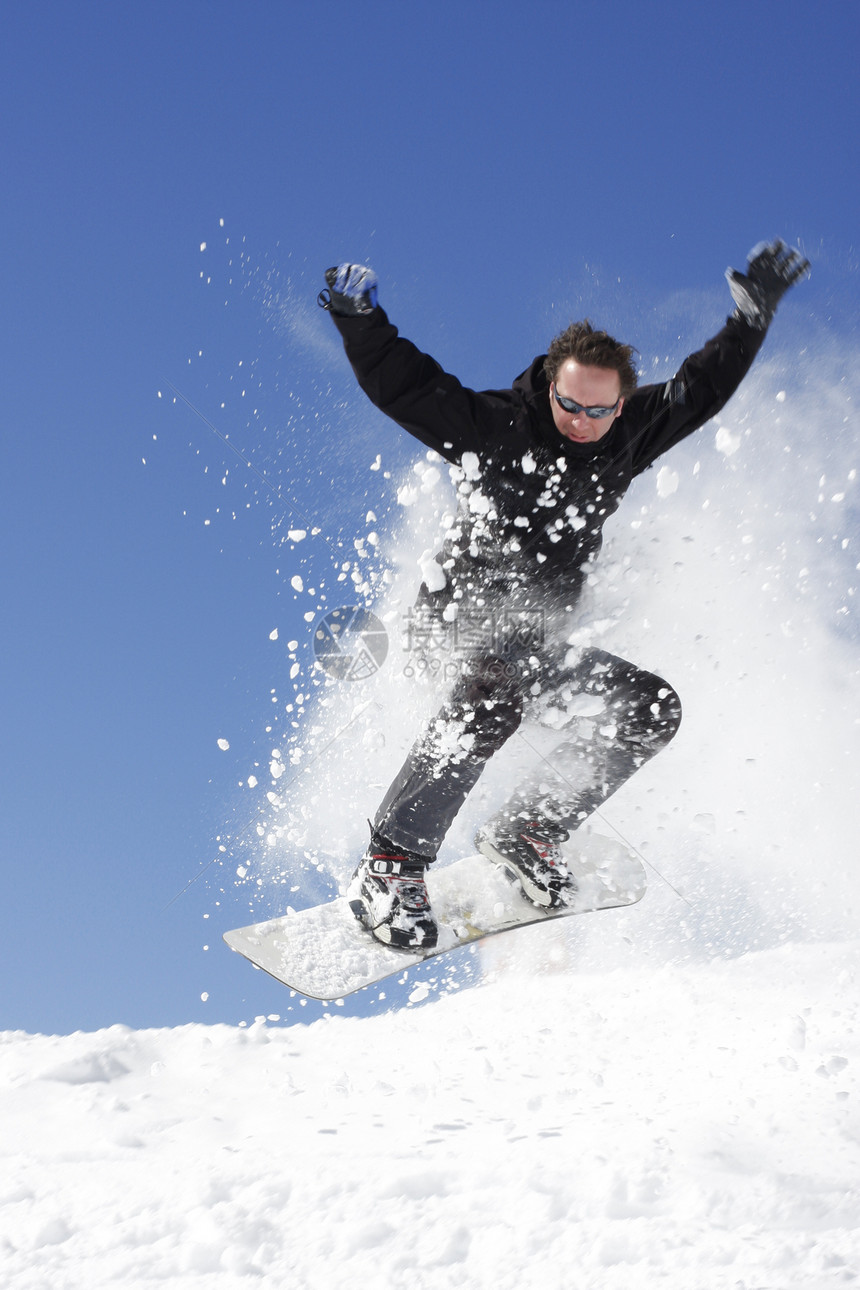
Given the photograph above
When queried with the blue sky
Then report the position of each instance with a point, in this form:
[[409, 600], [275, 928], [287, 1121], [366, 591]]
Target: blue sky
[[504, 167]]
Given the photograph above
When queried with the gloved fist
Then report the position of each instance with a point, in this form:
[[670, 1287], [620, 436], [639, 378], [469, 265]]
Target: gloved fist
[[773, 267], [352, 289]]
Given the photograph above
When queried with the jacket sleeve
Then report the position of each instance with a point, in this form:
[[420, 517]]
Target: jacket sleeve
[[412, 389], [663, 415]]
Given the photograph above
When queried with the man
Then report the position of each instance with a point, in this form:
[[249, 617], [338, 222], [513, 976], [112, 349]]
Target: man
[[541, 467]]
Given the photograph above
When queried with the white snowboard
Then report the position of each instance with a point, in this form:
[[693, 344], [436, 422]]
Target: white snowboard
[[324, 953]]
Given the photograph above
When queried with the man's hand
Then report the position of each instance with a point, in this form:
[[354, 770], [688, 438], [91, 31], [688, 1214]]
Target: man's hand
[[352, 289], [773, 267]]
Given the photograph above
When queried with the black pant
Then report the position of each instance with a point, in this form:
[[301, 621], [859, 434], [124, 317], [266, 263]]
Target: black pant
[[631, 716]]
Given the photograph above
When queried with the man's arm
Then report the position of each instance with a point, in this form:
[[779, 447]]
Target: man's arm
[[664, 415], [404, 383], [660, 416]]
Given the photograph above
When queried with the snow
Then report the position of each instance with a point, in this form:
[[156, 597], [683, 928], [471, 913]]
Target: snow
[[687, 1126], [726, 442], [667, 481], [432, 573]]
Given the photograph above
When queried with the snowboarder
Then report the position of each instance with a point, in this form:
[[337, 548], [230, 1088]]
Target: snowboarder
[[541, 467]]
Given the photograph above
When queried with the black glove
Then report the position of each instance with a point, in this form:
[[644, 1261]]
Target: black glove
[[352, 289], [773, 268]]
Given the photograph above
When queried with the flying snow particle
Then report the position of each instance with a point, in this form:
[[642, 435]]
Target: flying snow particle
[[273, 636], [471, 465], [296, 583], [223, 744], [202, 246], [726, 442], [297, 535], [430, 476], [432, 572], [667, 482]]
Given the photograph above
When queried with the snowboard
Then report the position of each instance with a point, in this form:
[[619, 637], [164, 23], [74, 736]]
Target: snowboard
[[325, 953]]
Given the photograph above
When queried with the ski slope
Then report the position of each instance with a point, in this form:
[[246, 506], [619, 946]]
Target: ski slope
[[688, 1127]]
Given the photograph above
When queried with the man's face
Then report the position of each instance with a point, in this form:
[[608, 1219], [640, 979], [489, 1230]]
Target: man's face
[[591, 387]]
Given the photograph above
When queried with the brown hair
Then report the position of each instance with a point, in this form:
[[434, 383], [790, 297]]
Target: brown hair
[[580, 341]]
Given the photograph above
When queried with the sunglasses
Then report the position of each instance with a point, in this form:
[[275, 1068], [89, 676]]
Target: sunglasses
[[571, 406]]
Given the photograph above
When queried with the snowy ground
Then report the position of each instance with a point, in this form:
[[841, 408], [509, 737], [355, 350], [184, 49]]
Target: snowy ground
[[685, 1126]]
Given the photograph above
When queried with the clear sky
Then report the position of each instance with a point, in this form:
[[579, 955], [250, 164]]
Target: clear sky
[[504, 167]]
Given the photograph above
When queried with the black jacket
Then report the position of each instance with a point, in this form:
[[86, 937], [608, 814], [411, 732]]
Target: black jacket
[[532, 504]]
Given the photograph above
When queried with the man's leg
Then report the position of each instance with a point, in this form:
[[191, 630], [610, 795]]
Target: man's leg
[[484, 710], [638, 714]]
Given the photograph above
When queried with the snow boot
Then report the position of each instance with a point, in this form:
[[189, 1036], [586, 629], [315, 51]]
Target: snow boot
[[388, 896], [529, 852]]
